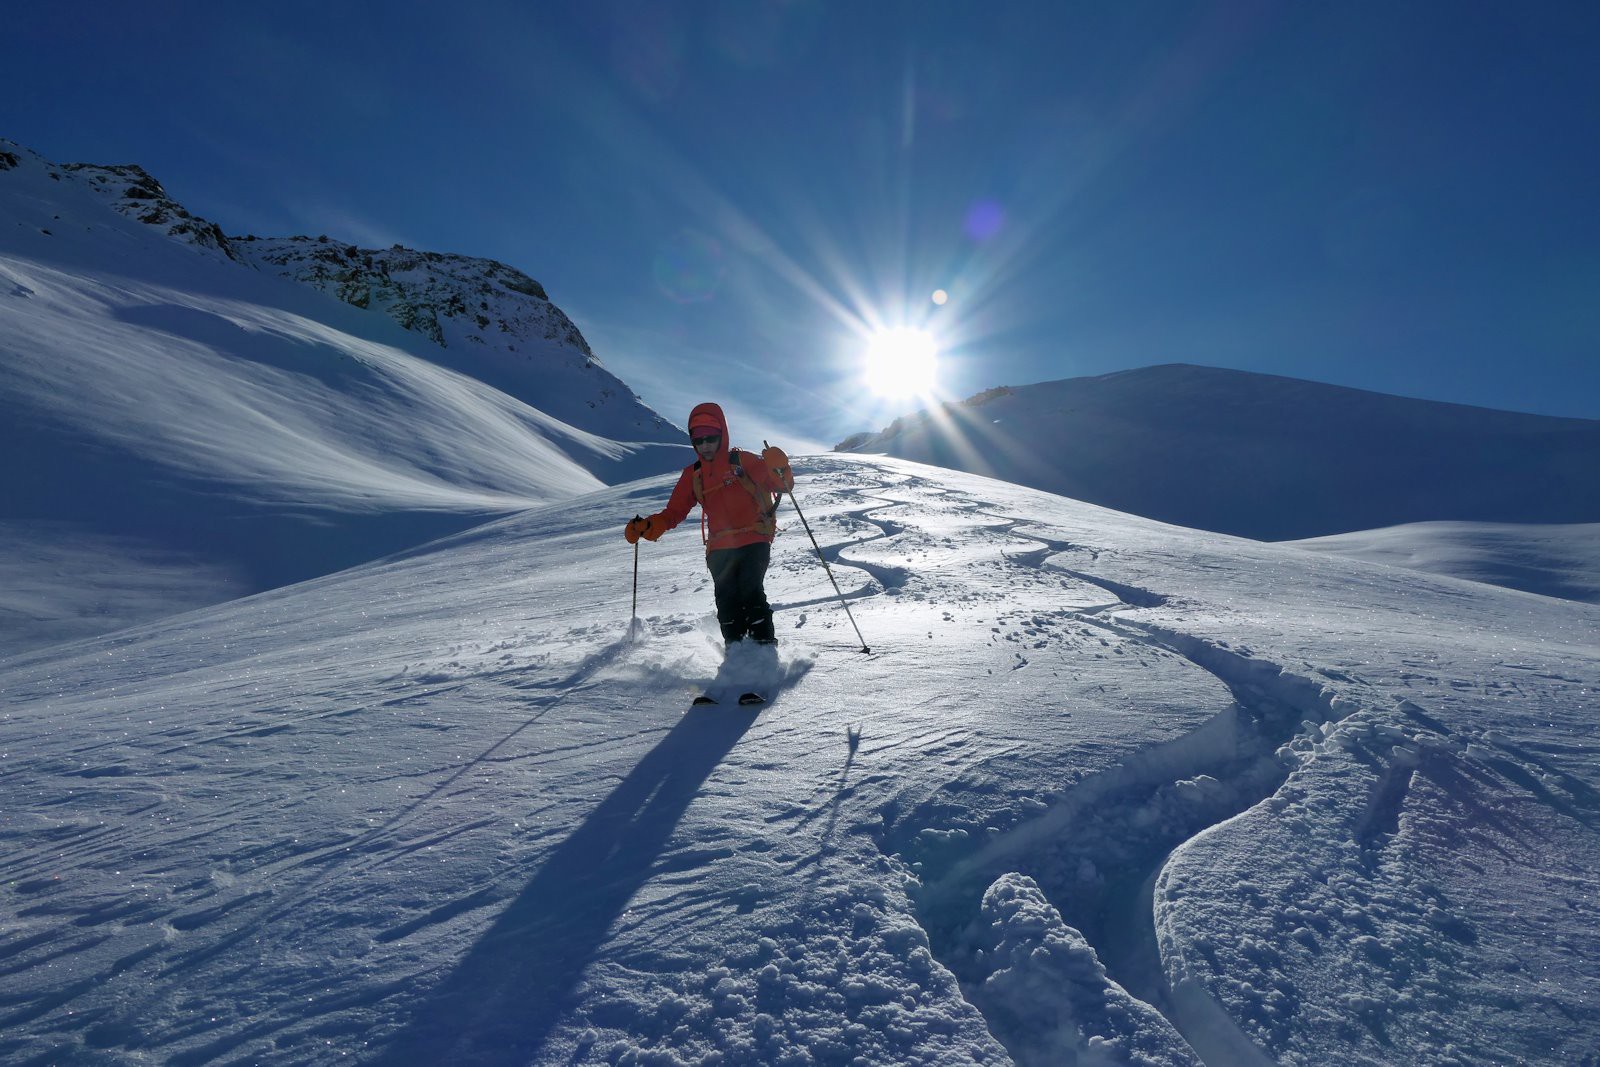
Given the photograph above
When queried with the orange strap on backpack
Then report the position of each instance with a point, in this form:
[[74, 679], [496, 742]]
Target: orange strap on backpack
[[766, 503]]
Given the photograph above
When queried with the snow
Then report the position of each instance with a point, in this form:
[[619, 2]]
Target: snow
[[454, 806], [174, 407], [115, 583], [1048, 994], [1555, 559], [1103, 790]]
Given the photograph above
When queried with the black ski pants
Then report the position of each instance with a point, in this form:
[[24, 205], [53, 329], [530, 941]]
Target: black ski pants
[[738, 578]]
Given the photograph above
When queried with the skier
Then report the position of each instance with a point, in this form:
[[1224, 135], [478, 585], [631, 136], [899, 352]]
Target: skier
[[738, 495]]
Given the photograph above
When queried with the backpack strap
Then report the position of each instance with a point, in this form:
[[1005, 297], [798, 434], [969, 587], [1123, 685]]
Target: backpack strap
[[766, 503]]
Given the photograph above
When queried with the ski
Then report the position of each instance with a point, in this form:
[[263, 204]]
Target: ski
[[751, 698], [703, 698]]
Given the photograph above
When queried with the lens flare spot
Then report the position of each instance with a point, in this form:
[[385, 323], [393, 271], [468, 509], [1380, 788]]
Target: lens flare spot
[[901, 363], [985, 219], [689, 268], [940, 297]]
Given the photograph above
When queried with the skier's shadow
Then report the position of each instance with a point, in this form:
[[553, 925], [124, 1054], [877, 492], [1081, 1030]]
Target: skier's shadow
[[504, 998]]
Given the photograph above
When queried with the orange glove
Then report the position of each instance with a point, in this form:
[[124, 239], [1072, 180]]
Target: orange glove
[[777, 462], [638, 527]]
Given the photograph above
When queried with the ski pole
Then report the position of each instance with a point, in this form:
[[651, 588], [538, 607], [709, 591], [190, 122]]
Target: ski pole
[[633, 625], [843, 603], [824, 561]]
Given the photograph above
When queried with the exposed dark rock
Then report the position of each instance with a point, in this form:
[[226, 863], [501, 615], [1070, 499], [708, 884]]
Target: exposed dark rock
[[135, 192]]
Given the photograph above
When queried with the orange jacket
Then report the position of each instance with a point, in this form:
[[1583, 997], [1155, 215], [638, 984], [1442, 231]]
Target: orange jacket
[[730, 515]]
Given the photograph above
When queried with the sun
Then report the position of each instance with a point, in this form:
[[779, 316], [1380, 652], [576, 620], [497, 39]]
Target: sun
[[901, 363]]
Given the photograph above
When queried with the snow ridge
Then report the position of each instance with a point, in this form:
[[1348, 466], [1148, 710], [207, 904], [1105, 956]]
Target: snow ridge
[[1096, 852], [1047, 995], [1259, 455], [1113, 863]]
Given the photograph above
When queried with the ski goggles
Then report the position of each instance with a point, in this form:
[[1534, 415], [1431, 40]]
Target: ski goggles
[[708, 439]]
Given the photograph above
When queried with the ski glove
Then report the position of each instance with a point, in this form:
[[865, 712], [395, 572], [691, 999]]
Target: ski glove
[[777, 462], [641, 527]]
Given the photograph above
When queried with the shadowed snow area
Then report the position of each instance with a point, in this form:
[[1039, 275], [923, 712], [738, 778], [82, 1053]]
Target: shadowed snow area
[[1262, 456], [1104, 791], [115, 582], [1560, 560]]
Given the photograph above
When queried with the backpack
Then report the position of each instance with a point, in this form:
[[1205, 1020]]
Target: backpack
[[766, 502]]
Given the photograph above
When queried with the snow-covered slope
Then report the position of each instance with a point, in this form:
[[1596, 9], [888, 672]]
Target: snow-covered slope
[[1262, 456], [183, 427], [1554, 560], [452, 808]]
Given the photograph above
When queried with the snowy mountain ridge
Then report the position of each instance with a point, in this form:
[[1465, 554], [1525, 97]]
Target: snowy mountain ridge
[[1259, 455], [494, 322], [406, 284], [499, 323], [136, 193]]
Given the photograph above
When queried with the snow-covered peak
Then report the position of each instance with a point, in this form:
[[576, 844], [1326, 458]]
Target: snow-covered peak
[[365, 276]]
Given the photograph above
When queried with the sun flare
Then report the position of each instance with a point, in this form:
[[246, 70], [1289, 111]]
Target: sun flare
[[902, 362]]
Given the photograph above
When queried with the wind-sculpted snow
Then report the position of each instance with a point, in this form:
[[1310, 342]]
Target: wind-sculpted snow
[[1103, 792]]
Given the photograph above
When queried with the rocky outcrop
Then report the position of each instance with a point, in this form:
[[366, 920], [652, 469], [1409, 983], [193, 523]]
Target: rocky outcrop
[[134, 192], [423, 291]]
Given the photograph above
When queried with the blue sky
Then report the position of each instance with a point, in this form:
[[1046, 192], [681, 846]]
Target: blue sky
[[727, 196]]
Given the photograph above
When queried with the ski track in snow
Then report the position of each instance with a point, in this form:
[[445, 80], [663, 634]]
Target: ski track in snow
[[1274, 704], [541, 848], [1217, 777]]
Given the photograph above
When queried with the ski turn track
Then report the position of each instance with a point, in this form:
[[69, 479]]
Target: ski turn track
[[1122, 824]]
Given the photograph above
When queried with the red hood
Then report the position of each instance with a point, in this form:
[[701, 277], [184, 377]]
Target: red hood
[[711, 414]]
